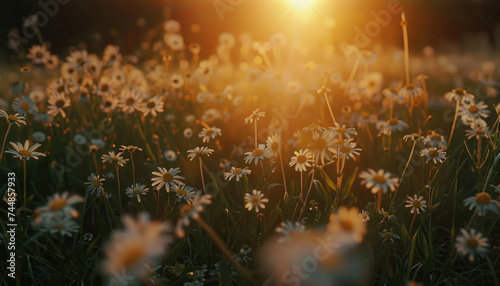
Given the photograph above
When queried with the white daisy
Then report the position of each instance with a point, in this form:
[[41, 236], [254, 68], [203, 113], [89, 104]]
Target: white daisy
[[94, 184], [416, 204], [25, 152], [482, 202], [379, 181], [236, 173], [257, 154], [199, 151], [209, 132], [137, 191], [301, 160], [472, 243], [255, 200], [433, 154], [169, 178]]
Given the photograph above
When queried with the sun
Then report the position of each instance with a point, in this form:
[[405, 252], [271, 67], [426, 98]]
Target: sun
[[301, 4]]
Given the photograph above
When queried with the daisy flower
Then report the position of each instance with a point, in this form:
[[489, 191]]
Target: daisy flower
[[433, 154], [392, 125], [479, 128], [153, 105], [388, 235], [191, 210], [60, 223], [236, 173], [130, 100], [169, 178], [111, 157], [13, 119], [482, 202], [392, 94], [320, 146], [301, 160], [184, 192], [174, 41], [39, 136], [39, 54], [364, 215], [458, 94], [472, 243], [274, 145], [129, 148], [94, 184], [386, 215], [436, 140], [25, 152], [378, 181], [111, 54], [347, 221], [170, 155], [176, 81], [410, 90], [78, 57], [255, 201], [289, 229], [416, 204], [256, 115], [209, 132], [257, 154], [59, 203], [199, 151], [414, 137], [109, 103], [23, 105], [141, 242], [470, 111], [137, 191], [342, 131], [346, 150], [57, 102]]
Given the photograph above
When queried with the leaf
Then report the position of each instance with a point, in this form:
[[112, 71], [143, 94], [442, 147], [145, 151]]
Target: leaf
[[348, 184]]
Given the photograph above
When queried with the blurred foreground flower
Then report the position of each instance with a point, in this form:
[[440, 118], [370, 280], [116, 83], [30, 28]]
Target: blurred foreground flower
[[472, 243]]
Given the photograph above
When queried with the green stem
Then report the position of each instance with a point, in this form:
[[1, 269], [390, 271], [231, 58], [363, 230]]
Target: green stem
[[454, 122], [283, 174], [24, 175], [4, 140], [493, 271], [119, 191], [201, 173]]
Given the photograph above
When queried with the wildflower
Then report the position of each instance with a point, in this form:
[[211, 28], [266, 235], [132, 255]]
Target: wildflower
[[79, 139], [78, 57], [341, 131], [129, 148], [289, 230], [459, 94], [236, 173], [257, 154], [24, 105], [256, 115], [479, 129], [191, 210], [13, 119], [392, 125], [59, 203], [364, 215], [129, 100], [184, 191], [345, 150], [410, 90], [170, 155], [137, 191], [199, 151], [174, 41], [38, 136], [347, 221], [470, 111], [295, 139], [386, 215], [57, 103], [142, 242], [96, 144], [153, 105], [255, 201], [414, 137], [320, 146], [60, 223], [209, 132], [94, 184], [188, 133], [88, 237], [388, 235], [109, 103], [176, 81], [25, 152], [111, 157], [301, 160], [482, 202], [472, 243], [436, 140], [39, 54], [169, 178], [274, 145], [378, 181], [433, 154], [416, 204], [111, 54], [392, 94]]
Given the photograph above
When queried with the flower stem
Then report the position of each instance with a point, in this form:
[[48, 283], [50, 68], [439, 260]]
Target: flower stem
[[283, 174], [404, 171], [454, 122], [119, 191], [307, 196], [5, 140], [218, 241], [256, 145], [95, 164], [404, 24], [202, 178], [24, 176], [379, 199], [329, 107], [133, 168], [412, 221]]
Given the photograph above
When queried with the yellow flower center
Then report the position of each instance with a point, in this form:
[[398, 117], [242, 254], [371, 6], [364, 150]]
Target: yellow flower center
[[480, 131], [393, 122], [25, 152], [473, 109], [433, 153], [257, 152], [186, 209], [388, 234], [416, 204], [151, 104], [385, 213], [59, 103], [12, 118], [59, 226], [379, 179], [345, 149], [472, 243], [341, 130], [167, 177], [182, 192], [130, 101], [255, 200], [237, 171], [96, 182], [365, 115], [483, 198], [459, 91], [25, 106], [275, 146], [346, 225], [209, 132], [137, 191], [131, 256], [301, 159], [57, 205]]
